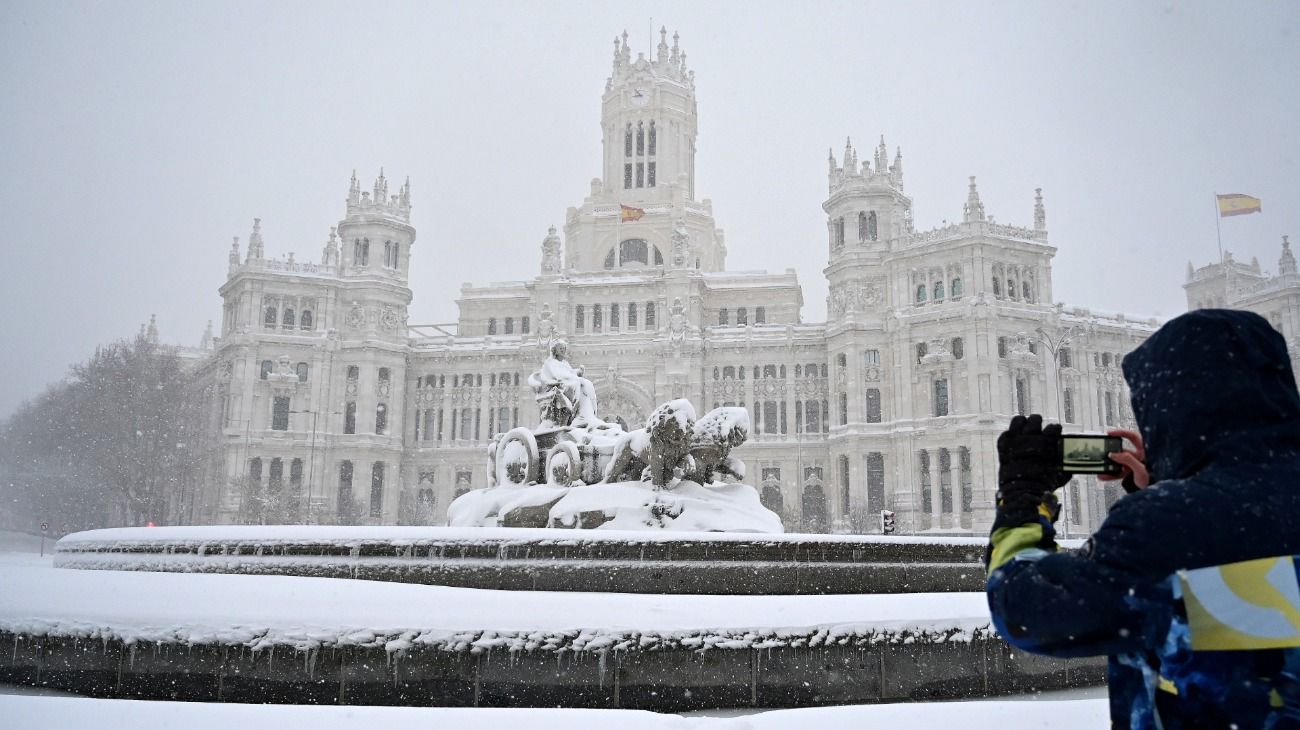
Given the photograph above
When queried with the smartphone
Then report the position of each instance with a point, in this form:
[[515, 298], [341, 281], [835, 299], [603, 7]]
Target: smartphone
[[1089, 454]]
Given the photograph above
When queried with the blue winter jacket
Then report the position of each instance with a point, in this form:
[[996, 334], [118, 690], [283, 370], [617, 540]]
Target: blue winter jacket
[[1215, 400]]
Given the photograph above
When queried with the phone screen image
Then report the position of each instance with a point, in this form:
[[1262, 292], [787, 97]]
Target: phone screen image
[[1082, 454]]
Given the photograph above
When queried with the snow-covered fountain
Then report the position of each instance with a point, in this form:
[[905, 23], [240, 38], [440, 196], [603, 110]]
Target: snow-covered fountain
[[575, 470]]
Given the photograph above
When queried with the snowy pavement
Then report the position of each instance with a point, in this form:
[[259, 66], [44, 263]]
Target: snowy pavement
[[60, 712]]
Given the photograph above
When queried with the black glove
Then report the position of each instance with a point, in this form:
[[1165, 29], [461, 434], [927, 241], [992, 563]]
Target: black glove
[[1029, 470]]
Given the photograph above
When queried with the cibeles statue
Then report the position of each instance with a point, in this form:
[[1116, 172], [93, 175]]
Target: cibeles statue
[[564, 396]]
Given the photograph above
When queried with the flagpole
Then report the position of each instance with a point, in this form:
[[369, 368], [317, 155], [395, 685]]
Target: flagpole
[[1218, 226]]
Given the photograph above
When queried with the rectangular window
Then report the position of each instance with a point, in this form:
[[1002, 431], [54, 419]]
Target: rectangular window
[[579, 318], [523, 325], [945, 481], [760, 315], [627, 176], [844, 409], [350, 417], [510, 325], [650, 315], [640, 174], [381, 419], [1110, 408], [875, 482], [873, 405], [958, 348], [814, 415], [631, 316], [280, 413], [921, 351], [1002, 347], [345, 488], [722, 317], [1022, 397], [1067, 405], [742, 316], [650, 175], [967, 496], [614, 317], [596, 318], [1067, 358], [927, 499], [941, 397], [871, 357], [377, 489]]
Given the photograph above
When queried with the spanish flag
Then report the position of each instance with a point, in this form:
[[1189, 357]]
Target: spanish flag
[[628, 213], [1237, 204]]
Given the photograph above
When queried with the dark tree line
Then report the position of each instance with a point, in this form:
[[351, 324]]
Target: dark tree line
[[119, 442]]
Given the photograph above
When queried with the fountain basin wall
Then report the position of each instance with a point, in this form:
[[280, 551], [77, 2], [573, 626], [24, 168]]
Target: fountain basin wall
[[665, 679], [547, 559]]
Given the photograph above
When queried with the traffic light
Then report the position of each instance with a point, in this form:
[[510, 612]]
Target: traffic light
[[886, 522]]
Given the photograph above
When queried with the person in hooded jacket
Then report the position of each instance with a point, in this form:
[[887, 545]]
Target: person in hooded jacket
[[1190, 584]]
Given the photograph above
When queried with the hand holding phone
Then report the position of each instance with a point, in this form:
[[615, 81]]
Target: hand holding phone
[[1133, 462]]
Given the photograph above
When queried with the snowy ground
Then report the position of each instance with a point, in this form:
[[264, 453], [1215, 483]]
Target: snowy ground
[[311, 612], [59, 712]]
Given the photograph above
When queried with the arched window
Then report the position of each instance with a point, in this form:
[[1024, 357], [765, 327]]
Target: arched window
[[614, 317], [814, 502], [920, 293], [288, 319], [839, 231], [365, 252], [270, 316], [510, 325], [958, 348], [579, 318], [956, 287], [640, 138], [302, 371], [997, 287], [650, 314], [760, 315], [492, 325], [356, 251], [1027, 294], [871, 226], [717, 373], [267, 367], [633, 250], [873, 405], [938, 290], [653, 140], [659, 257], [305, 321], [381, 419], [742, 316], [255, 470], [862, 227], [729, 373], [609, 259], [388, 254], [627, 140]]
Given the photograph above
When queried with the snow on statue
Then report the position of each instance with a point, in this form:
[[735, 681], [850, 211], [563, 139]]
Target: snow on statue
[[576, 470]]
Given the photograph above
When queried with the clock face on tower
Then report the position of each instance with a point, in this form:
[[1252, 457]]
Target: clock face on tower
[[640, 96]]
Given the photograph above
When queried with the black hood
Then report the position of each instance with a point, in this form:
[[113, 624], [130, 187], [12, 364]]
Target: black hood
[[1207, 379]]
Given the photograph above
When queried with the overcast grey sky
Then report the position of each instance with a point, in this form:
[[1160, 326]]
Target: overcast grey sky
[[139, 137]]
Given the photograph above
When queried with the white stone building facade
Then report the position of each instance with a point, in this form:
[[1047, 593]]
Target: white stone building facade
[[330, 402]]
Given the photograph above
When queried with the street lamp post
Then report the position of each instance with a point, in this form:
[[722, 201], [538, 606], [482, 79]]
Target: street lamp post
[[311, 461], [1055, 345]]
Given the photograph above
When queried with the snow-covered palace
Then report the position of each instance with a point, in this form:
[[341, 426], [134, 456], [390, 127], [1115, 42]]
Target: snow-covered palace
[[333, 408]]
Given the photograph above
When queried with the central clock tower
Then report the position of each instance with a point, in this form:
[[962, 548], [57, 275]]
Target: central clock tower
[[643, 211], [648, 121]]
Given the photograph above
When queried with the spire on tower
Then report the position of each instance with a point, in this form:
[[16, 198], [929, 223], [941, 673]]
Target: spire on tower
[[974, 210], [850, 164], [330, 256], [206, 342], [234, 255], [1286, 264], [1040, 213], [152, 333], [354, 190], [675, 58], [663, 45], [255, 250], [627, 50], [896, 170]]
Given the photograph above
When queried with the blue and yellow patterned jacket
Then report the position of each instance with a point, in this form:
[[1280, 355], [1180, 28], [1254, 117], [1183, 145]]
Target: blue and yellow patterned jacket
[[1190, 585]]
